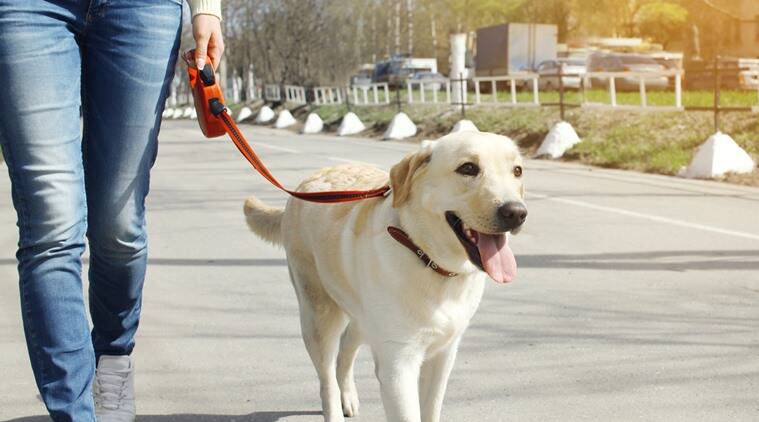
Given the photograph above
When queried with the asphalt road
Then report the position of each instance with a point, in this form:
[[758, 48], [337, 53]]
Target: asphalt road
[[637, 298]]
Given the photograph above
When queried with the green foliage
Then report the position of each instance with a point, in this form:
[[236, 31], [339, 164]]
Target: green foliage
[[661, 20]]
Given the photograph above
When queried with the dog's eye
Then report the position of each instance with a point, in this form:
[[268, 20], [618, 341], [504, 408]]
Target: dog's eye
[[518, 171], [468, 169]]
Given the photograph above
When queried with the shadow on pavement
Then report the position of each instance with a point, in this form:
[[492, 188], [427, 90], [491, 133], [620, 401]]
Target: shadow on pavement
[[253, 417]]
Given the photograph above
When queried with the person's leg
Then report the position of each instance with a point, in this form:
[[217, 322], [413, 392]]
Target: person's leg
[[129, 54], [40, 136]]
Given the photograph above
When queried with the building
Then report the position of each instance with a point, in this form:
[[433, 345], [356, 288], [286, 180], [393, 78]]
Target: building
[[741, 38]]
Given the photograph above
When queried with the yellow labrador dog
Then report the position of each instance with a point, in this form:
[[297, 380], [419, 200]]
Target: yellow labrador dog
[[403, 274]]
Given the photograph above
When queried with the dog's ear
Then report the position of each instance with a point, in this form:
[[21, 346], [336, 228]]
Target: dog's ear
[[402, 174]]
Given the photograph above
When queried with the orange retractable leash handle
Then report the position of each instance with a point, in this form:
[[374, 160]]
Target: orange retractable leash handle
[[215, 121]]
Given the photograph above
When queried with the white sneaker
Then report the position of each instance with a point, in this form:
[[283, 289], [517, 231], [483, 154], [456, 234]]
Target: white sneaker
[[113, 389]]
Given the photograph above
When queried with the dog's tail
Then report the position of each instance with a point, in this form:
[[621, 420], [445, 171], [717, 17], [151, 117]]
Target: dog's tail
[[263, 220]]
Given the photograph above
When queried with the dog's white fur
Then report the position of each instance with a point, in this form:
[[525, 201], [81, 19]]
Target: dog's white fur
[[356, 285]]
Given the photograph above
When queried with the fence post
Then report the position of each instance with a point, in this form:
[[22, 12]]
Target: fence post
[[476, 91], [642, 87], [584, 82], [613, 91], [678, 89], [561, 90], [398, 97], [535, 91], [513, 90], [463, 99], [717, 83], [410, 98]]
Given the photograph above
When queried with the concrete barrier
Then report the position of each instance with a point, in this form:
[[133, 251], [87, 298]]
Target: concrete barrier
[[560, 138], [401, 127], [350, 125], [464, 125], [265, 115], [285, 119], [244, 114], [314, 124], [716, 157]]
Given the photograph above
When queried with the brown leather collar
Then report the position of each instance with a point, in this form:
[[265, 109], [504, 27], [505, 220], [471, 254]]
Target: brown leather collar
[[406, 241]]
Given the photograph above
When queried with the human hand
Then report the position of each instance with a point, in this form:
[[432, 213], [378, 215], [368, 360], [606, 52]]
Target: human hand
[[206, 29]]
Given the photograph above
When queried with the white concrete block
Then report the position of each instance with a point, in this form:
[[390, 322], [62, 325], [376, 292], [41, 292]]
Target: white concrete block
[[717, 156], [178, 112], [285, 119], [560, 138], [244, 114], [464, 126], [187, 112], [350, 125], [167, 112], [314, 124], [265, 115], [400, 127], [194, 114]]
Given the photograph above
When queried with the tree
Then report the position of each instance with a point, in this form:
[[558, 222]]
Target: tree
[[662, 21]]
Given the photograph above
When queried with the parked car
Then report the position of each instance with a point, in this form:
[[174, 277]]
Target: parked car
[[627, 63], [734, 74], [398, 69], [357, 80], [432, 80], [573, 69]]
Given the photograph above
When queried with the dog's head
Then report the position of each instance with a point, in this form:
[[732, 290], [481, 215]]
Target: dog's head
[[461, 196]]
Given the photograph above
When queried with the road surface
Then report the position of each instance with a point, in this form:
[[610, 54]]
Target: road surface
[[637, 298]]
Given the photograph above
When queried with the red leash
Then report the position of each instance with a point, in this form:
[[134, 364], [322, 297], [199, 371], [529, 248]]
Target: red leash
[[214, 121]]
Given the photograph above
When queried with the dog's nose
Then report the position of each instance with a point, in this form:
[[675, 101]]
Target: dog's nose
[[513, 214]]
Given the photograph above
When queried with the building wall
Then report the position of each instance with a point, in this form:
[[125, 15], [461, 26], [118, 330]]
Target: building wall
[[748, 46]]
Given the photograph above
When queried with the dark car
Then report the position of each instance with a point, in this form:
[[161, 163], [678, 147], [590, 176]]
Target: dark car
[[627, 63]]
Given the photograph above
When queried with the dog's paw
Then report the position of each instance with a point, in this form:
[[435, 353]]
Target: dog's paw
[[350, 403]]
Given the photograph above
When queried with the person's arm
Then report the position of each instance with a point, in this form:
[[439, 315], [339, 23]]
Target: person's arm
[[206, 29]]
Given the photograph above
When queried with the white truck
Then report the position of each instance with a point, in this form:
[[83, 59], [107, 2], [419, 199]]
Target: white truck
[[514, 47]]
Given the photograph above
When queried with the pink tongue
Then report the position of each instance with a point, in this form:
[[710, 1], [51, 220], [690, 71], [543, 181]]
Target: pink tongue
[[497, 258]]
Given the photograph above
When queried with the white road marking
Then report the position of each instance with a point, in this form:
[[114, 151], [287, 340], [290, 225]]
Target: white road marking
[[277, 148], [651, 217], [344, 160]]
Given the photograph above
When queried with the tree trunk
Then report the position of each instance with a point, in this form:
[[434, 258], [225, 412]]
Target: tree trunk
[[410, 17], [433, 33], [397, 26]]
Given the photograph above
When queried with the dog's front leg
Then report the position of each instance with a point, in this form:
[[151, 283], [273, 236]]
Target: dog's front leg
[[434, 379], [397, 367]]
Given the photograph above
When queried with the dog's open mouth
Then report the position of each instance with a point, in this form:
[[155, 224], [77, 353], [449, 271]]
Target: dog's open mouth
[[489, 252]]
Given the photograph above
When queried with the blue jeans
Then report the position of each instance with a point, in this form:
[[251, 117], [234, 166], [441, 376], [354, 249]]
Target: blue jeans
[[111, 60]]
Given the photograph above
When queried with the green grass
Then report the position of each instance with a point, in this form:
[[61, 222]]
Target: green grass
[[655, 142], [731, 98]]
